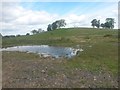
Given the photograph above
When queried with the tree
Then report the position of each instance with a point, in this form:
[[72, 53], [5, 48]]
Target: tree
[[98, 24], [102, 25], [56, 25], [34, 31], [18, 35], [94, 22], [49, 28], [109, 23], [27, 34], [61, 23], [40, 30]]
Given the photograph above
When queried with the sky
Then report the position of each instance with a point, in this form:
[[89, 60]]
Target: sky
[[23, 17]]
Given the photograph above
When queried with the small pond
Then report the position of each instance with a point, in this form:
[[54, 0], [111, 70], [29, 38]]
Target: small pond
[[46, 51]]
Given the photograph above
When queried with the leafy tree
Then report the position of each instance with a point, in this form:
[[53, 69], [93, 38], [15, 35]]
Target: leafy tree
[[34, 31], [56, 25], [98, 24], [94, 22], [61, 23], [40, 30], [18, 35], [27, 34], [49, 28], [109, 23], [102, 25]]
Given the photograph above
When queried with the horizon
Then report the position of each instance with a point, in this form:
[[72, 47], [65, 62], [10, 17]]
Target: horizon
[[23, 17], [60, 29]]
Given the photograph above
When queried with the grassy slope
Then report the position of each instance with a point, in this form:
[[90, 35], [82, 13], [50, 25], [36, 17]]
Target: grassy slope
[[57, 37], [101, 57]]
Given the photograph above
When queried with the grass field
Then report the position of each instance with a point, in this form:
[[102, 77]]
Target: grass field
[[99, 60], [65, 37]]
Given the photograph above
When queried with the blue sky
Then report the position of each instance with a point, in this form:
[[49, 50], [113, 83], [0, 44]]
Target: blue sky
[[64, 7], [22, 17]]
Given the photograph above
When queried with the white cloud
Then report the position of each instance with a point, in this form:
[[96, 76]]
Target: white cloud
[[34, 17], [10, 11], [109, 12], [19, 15], [73, 18], [101, 14], [17, 20]]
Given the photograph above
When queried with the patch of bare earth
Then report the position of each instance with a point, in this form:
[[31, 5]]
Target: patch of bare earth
[[50, 73]]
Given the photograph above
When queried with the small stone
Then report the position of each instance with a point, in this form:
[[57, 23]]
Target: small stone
[[44, 79], [95, 78], [76, 69], [43, 71], [64, 75], [55, 83]]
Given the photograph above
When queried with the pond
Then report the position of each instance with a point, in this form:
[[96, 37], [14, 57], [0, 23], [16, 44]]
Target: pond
[[46, 50]]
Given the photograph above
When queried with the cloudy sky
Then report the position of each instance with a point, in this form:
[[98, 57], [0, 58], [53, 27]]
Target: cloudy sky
[[22, 17]]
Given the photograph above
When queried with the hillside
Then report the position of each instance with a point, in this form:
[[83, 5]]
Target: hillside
[[65, 37], [96, 66]]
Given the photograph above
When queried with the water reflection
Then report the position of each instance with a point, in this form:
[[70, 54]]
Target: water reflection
[[46, 51]]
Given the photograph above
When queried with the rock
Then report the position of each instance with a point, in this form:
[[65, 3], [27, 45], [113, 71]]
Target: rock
[[89, 85], [64, 75], [95, 78], [44, 79], [55, 83], [46, 68], [43, 71]]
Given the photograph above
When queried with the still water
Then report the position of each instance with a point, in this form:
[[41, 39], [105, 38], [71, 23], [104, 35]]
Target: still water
[[46, 50]]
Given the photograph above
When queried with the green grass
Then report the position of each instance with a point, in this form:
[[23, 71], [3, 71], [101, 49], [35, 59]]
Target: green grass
[[101, 57], [58, 37]]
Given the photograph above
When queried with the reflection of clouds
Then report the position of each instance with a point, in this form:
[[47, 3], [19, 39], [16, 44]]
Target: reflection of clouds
[[46, 50]]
